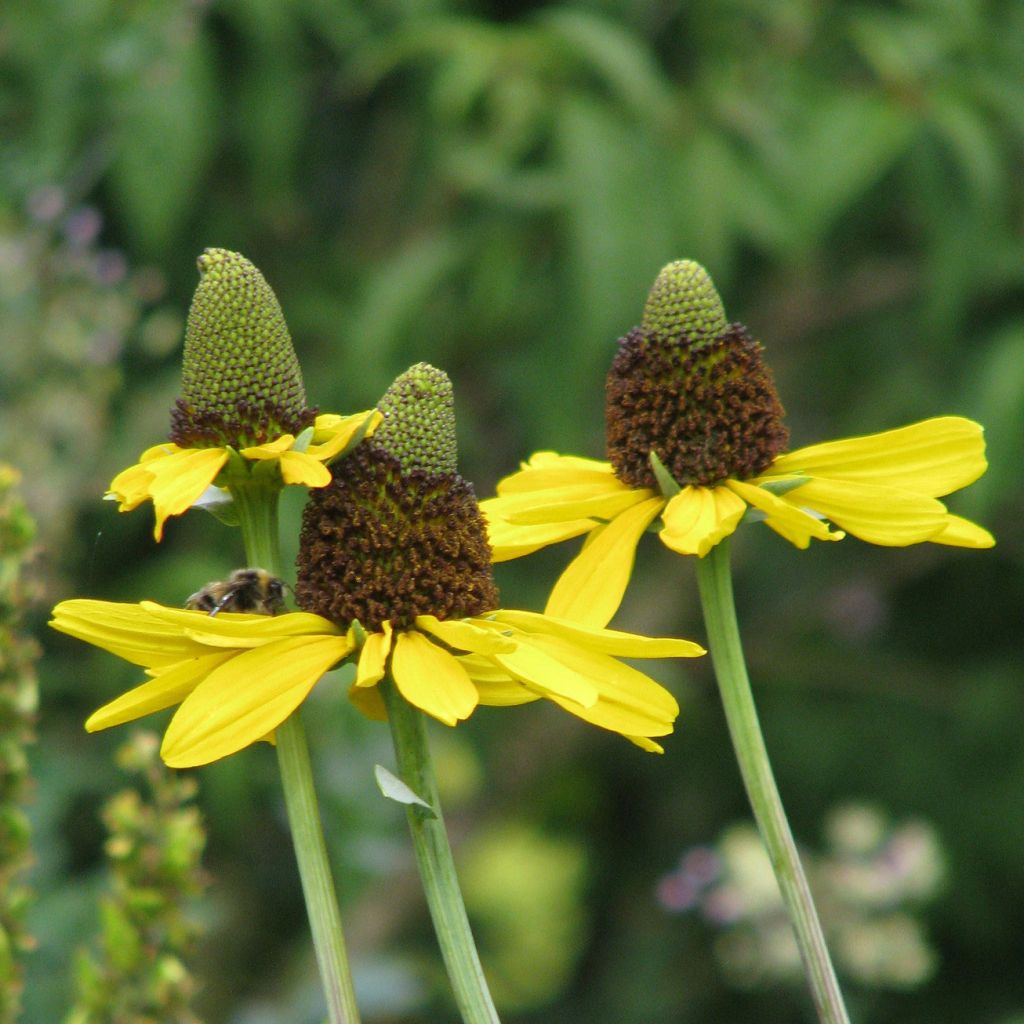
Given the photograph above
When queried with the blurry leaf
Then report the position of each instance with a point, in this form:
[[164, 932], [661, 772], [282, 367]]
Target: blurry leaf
[[620, 200], [996, 399], [974, 147], [166, 136], [397, 293], [845, 148], [624, 62], [395, 789]]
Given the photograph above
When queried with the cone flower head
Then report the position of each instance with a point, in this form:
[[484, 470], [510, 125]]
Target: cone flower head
[[696, 444]]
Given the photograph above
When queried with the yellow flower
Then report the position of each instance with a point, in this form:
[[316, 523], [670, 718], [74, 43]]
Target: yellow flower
[[236, 678], [514, 657], [396, 544], [174, 478], [695, 440], [241, 417]]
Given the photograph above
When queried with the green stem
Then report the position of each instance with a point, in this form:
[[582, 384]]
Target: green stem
[[715, 582], [257, 514], [434, 856]]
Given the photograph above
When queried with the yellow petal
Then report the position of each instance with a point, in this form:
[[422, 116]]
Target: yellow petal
[[933, 457], [368, 701], [373, 658], [494, 685], [269, 449], [532, 663], [697, 518], [171, 686], [645, 744], [566, 504], [127, 630], [962, 533], [247, 697], [465, 635], [240, 629], [508, 541], [545, 470], [796, 525], [332, 434], [876, 514], [629, 702], [303, 468], [601, 641], [179, 479], [432, 679], [591, 588], [130, 487]]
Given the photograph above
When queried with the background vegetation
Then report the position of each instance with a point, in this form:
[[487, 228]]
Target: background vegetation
[[492, 188]]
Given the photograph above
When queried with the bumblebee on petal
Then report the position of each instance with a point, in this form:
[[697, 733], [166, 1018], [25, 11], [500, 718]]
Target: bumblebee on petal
[[245, 590]]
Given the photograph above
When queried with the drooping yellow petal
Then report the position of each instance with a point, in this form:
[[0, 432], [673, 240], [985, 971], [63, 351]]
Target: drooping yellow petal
[[628, 701], [600, 641], [545, 470], [248, 697], [697, 518], [367, 700], [532, 663], [567, 504], [494, 685], [962, 533], [591, 588], [179, 479], [933, 457], [171, 686], [239, 629], [509, 541], [303, 468], [876, 514], [128, 630], [432, 679], [796, 525], [645, 744], [373, 658], [465, 635], [130, 487]]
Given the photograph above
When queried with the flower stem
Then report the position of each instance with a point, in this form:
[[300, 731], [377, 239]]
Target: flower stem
[[434, 856], [715, 583], [257, 514]]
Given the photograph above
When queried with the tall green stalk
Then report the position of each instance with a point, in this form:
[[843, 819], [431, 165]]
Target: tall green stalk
[[715, 582], [257, 512], [434, 856]]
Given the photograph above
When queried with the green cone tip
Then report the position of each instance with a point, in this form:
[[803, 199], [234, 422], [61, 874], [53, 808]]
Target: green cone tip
[[239, 369], [419, 421], [684, 302]]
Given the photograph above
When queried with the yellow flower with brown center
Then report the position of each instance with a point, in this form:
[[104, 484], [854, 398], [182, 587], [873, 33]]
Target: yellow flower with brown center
[[394, 571], [242, 412], [695, 439], [396, 543]]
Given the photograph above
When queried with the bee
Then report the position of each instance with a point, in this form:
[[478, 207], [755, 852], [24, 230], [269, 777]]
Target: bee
[[245, 590]]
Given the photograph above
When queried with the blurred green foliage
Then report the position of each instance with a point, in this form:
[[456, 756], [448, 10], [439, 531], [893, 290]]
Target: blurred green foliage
[[492, 188]]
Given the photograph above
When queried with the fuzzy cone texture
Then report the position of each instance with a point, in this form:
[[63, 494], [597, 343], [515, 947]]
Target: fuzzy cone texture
[[398, 533], [691, 388], [241, 382]]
